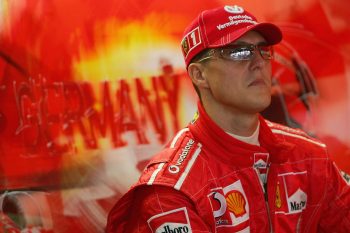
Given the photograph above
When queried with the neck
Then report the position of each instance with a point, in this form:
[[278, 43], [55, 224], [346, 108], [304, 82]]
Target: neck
[[231, 120]]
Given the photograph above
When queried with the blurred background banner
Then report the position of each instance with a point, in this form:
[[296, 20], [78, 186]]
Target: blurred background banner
[[90, 90]]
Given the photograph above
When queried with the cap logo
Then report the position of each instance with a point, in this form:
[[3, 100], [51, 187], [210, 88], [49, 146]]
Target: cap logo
[[191, 40], [184, 45], [234, 9]]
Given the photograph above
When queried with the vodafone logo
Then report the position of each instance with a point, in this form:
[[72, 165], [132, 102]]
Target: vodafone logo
[[176, 168], [234, 9]]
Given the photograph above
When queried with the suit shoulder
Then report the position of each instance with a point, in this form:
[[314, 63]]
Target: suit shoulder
[[174, 163], [296, 136]]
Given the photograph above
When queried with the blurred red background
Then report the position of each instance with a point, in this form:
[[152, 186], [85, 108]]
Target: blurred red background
[[89, 90]]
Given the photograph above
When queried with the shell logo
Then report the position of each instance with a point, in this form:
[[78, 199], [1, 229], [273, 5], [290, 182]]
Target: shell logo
[[236, 203], [230, 205]]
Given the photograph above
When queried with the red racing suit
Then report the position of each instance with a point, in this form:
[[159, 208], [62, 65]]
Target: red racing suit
[[207, 181]]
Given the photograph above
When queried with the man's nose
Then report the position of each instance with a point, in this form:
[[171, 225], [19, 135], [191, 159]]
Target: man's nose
[[257, 59]]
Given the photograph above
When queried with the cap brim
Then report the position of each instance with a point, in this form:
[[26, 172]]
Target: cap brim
[[270, 32]]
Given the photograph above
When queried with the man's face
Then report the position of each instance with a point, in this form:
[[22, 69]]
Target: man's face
[[244, 86]]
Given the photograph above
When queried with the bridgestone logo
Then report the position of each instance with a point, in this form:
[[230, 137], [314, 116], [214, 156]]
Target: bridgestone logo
[[175, 230], [176, 168]]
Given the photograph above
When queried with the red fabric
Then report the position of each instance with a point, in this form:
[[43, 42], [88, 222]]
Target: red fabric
[[209, 176]]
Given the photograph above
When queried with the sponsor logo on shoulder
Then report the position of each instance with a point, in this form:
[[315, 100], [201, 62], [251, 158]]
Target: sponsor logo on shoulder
[[173, 228], [183, 155], [174, 221]]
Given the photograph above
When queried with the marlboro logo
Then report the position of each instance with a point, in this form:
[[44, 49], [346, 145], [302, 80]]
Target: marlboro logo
[[261, 160], [174, 221], [291, 197], [297, 202], [174, 229]]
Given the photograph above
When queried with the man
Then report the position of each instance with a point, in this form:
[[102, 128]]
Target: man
[[231, 170]]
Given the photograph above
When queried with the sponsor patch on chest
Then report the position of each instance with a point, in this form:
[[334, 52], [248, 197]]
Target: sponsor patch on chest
[[291, 196], [261, 161], [230, 206]]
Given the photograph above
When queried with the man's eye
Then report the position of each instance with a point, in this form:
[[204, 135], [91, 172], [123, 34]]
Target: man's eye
[[265, 50]]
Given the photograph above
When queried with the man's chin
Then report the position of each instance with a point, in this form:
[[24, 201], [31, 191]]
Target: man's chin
[[261, 106]]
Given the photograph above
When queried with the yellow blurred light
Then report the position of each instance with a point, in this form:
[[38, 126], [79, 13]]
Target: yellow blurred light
[[10, 13], [4, 15], [127, 50]]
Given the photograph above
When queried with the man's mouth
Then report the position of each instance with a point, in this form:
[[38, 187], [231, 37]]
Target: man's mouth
[[258, 82]]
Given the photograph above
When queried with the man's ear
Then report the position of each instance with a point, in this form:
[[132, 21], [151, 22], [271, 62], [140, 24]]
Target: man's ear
[[197, 75]]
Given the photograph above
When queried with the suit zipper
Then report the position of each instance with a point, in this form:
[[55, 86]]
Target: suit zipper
[[267, 200], [268, 214], [264, 189], [298, 224]]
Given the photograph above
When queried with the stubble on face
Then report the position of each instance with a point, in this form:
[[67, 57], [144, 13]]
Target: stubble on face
[[241, 85]]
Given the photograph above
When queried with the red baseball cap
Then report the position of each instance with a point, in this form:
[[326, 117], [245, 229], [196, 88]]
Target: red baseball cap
[[221, 26]]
